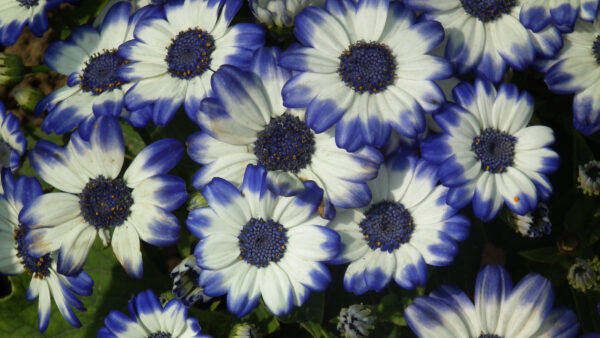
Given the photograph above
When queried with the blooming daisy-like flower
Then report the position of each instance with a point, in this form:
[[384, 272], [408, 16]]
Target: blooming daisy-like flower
[[535, 223], [589, 178], [173, 58], [12, 141], [280, 13], [254, 242], [151, 319], [407, 226], [355, 321], [500, 310], [537, 14], [487, 154], [246, 122], [96, 199], [94, 88], [363, 68], [15, 258], [577, 70], [185, 282], [486, 35], [15, 14]]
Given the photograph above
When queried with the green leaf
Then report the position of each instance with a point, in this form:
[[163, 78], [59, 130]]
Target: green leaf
[[309, 315], [548, 255], [133, 141], [214, 323], [265, 322], [112, 290]]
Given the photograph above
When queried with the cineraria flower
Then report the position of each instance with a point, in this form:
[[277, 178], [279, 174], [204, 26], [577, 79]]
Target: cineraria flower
[[280, 13], [96, 199], [576, 69], [94, 87], [536, 223], [589, 178], [246, 122], [185, 282], [364, 69], [487, 153], [485, 36], [12, 141], [500, 310], [584, 275], [173, 58], [15, 258], [254, 242], [537, 14], [407, 226], [151, 319], [355, 321], [15, 14], [243, 330]]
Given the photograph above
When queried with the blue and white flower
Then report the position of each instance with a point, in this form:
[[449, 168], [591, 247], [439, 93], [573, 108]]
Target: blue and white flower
[[151, 319], [535, 223], [246, 123], [15, 258], [15, 14], [173, 58], [537, 14], [363, 68], [96, 199], [407, 226], [135, 5], [185, 282], [355, 321], [487, 154], [255, 243], [500, 310], [576, 69], [280, 13], [94, 87], [485, 36], [12, 141]]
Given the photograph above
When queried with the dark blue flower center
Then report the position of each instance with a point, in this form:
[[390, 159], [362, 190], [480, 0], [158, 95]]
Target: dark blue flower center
[[38, 267], [28, 3], [262, 242], [367, 67], [105, 202], [160, 335], [495, 149], [189, 53], [488, 10], [285, 144], [101, 73], [386, 226]]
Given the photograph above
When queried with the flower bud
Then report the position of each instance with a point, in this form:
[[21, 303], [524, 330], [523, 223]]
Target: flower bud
[[12, 70], [355, 321], [27, 97], [584, 275], [280, 13]]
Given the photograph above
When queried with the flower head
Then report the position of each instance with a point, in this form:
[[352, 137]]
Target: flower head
[[584, 275], [280, 13], [246, 123], [500, 310], [186, 276], [12, 70], [487, 153], [174, 56], [96, 199], [255, 243], [535, 223], [363, 67], [46, 282], [589, 178], [355, 321], [150, 319], [406, 226], [243, 330]]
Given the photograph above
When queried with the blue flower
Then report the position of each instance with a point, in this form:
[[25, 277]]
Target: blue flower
[[537, 14], [12, 141], [15, 14], [576, 69], [254, 242], [363, 68], [94, 87], [185, 282], [246, 123], [487, 154], [407, 226], [173, 58], [15, 258], [485, 36], [150, 319], [500, 310], [96, 199]]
